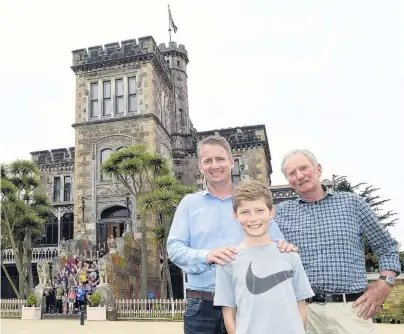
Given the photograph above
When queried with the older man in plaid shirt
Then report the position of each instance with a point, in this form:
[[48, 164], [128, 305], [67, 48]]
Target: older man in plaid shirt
[[328, 227]]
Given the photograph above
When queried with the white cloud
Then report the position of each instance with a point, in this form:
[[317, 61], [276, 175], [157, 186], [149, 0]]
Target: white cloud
[[323, 75]]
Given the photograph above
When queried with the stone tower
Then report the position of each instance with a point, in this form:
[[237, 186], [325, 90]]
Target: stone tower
[[177, 60], [124, 96]]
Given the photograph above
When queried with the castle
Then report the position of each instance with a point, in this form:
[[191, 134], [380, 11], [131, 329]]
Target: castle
[[133, 92]]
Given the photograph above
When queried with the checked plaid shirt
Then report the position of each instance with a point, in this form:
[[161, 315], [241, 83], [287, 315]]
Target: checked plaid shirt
[[329, 236]]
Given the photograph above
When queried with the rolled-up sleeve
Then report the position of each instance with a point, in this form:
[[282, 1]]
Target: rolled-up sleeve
[[192, 261], [380, 240]]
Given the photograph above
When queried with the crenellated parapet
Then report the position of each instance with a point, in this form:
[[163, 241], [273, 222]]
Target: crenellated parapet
[[172, 49], [56, 159], [105, 56]]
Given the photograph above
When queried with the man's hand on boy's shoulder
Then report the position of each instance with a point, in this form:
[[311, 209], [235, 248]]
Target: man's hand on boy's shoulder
[[287, 247], [221, 255]]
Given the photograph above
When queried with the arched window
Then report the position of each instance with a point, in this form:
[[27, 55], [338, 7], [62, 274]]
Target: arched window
[[104, 157]]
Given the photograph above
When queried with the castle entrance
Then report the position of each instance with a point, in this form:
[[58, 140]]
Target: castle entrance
[[112, 222]]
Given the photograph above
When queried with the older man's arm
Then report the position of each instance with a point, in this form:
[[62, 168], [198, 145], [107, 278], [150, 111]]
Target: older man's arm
[[386, 249]]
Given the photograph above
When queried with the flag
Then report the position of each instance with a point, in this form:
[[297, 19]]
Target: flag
[[172, 25]]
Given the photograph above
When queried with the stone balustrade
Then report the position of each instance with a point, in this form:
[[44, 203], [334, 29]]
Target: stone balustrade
[[38, 253]]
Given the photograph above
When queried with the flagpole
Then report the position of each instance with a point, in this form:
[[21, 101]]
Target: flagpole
[[169, 23]]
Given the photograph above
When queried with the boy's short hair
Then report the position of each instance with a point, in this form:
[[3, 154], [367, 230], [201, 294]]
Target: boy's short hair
[[251, 190]]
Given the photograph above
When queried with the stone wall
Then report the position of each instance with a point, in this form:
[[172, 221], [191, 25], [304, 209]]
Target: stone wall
[[252, 161], [55, 163]]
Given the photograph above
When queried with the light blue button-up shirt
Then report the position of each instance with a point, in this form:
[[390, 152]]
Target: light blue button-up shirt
[[203, 222]]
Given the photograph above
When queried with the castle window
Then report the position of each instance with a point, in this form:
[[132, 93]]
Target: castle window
[[67, 226], [132, 101], [94, 112], [178, 63], [51, 233], [56, 189], [67, 189], [119, 100], [236, 172], [107, 105], [104, 157]]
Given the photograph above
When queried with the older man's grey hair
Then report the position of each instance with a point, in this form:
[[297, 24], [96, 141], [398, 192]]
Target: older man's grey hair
[[309, 155]]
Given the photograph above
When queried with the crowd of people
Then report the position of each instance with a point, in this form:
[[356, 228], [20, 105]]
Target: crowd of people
[[72, 286]]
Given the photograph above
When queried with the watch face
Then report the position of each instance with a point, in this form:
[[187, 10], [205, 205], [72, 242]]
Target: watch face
[[390, 280]]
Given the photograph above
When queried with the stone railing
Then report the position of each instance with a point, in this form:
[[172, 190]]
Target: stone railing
[[38, 253], [150, 309], [11, 308]]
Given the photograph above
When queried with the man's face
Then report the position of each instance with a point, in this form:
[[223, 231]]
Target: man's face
[[215, 164], [301, 174], [254, 217]]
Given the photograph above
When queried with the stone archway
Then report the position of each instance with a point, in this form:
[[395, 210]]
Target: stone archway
[[112, 222]]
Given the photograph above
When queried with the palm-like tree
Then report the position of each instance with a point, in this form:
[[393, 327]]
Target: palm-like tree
[[135, 168], [162, 202], [23, 213]]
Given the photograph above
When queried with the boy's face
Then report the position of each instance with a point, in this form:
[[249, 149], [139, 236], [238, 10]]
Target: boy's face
[[254, 217]]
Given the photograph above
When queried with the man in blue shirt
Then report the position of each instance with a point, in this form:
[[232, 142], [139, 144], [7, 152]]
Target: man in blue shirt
[[204, 233]]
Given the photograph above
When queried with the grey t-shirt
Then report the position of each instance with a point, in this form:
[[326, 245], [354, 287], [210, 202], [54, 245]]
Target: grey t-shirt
[[265, 286]]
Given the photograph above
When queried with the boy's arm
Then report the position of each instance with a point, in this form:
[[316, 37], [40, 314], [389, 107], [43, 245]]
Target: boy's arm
[[225, 296], [229, 316], [302, 310]]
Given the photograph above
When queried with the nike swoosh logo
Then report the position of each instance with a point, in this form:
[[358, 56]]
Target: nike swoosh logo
[[257, 285]]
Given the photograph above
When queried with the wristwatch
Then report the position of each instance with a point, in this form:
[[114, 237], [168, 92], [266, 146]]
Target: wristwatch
[[390, 280]]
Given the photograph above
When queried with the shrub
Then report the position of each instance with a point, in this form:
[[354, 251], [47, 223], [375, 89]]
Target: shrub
[[95, 299], [31, 300]]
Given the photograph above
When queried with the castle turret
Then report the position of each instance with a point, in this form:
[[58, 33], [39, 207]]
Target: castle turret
[[177, 60]]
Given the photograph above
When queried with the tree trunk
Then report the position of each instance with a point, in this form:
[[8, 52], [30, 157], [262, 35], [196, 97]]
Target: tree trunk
[[164, 275], [28, 258], [19, 263], [166, 269], [17, 293], [29, 270], [18, 252], [144, 260]]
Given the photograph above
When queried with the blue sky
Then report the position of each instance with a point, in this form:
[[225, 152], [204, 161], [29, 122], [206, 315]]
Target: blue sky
[[324, 75]]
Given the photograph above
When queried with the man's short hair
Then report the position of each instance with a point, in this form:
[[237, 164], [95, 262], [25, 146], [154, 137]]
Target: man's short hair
[[309, 155], [251, 190], [215, 140]]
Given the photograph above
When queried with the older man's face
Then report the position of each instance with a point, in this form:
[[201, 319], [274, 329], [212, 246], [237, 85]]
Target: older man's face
[[301, 174]]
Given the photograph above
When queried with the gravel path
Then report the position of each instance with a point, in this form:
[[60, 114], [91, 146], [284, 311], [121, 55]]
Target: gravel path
[[116, 327]]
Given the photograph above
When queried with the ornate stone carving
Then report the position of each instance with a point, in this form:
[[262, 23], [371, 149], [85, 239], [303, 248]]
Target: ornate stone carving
[[63, 248], [284, 194], [63, 209], [103, 267], [43, 272], [112, 245]]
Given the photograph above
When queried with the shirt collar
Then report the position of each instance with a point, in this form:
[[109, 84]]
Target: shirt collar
[[328, 192], [207, 192]]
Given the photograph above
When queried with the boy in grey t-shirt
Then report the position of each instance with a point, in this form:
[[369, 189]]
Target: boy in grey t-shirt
[[262, 290]]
